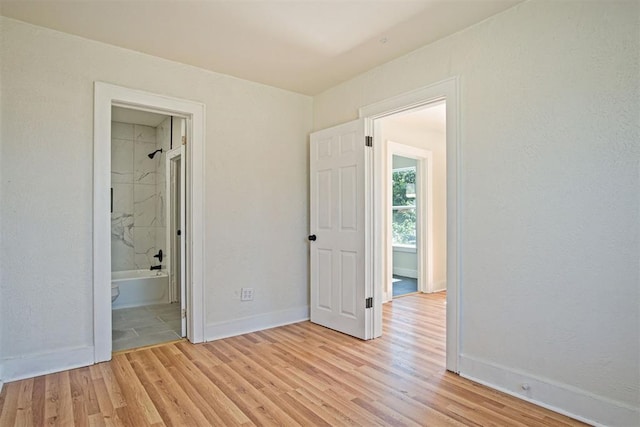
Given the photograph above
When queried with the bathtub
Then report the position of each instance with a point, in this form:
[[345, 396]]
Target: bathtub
[[141, 287]]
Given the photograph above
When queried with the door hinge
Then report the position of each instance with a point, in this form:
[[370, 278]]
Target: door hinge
[[184, 313], [368, 302], [368, 141]]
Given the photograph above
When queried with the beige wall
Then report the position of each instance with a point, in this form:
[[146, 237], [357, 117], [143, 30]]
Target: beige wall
[[549, 107], [549, 154], [256, 188]]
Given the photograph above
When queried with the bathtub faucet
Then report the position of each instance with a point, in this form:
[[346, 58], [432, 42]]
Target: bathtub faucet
[[156, 267], [159, 255]]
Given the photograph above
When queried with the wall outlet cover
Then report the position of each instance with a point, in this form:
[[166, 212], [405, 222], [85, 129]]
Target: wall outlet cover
[[246, 294]]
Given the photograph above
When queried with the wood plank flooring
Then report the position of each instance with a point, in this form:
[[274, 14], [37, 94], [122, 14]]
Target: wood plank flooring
[[300, 374]]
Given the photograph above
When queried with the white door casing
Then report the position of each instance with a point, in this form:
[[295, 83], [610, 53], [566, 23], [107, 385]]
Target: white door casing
[[447, 90], [105, 96], [183, 248], [340, 254], [172, 158]]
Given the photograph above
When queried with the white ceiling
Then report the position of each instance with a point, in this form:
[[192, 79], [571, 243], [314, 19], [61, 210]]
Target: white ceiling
[[305, 46]]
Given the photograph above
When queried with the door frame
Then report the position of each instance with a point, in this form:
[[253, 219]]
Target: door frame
[[447, 90], [105, 96], [424, 217], [176, 156]]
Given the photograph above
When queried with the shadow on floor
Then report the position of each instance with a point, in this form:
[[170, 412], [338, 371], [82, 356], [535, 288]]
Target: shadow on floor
[[404, 285]]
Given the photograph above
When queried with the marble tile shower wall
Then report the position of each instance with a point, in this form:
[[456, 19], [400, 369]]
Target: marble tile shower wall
[[163, 140], [138, 220]]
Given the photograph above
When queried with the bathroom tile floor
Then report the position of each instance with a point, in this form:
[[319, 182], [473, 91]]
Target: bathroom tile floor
[[147, 325]]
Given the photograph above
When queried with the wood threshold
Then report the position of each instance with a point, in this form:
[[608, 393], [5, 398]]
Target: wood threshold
[[130, 350], [299, 374]]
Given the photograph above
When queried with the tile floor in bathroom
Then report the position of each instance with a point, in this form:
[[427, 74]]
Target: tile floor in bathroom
[[147, 325]]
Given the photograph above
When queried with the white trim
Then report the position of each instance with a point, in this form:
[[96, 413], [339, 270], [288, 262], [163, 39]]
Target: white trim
[[34, 365], [168, 252], [176, 155], [372, 318], [409, 100], [439, 286], [405, 272], [106, 96], [444, 90], [173, 155], [259, 322], [374, 234], [404, 248], [561, 398]]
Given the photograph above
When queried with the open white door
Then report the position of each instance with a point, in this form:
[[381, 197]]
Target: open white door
[[176, 214], [340, 232], [182, 185]]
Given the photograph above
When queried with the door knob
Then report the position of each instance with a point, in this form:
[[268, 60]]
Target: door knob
[[312, 237]]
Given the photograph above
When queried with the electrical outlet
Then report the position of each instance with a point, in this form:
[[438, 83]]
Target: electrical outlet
[[246, 294]]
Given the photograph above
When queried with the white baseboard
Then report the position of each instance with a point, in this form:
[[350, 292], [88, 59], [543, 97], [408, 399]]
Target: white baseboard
[[440, 286], [561, 398], [405, 272], [259, 322], [34, 365]]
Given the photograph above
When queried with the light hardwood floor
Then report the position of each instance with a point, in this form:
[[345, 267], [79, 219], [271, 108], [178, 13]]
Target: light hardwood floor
[[300, 374]]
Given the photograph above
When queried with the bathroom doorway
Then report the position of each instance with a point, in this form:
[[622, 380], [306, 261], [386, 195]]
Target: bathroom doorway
[[147, 294], [107, 96]]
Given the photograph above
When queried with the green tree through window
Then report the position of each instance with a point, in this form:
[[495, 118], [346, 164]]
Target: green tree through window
[[404, 206]]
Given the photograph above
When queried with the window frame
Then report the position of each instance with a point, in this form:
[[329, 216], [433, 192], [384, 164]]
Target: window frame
[[405, 247]]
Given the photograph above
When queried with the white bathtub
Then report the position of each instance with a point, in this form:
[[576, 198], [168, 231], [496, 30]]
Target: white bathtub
[[141, 287]]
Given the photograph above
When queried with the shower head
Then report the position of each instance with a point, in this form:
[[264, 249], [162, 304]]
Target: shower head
[[154, 153]]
